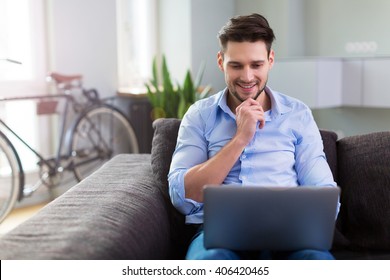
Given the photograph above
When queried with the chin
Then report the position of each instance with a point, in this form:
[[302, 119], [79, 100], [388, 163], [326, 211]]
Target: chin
[[245, 95]]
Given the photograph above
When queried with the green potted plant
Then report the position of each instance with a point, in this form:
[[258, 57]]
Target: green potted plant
[[169, 100]]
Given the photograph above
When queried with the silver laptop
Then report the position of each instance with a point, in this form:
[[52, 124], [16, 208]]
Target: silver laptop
[[274, 218]]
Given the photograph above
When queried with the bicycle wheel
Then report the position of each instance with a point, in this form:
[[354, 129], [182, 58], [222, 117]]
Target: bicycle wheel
[[99, 134], [10, 176]]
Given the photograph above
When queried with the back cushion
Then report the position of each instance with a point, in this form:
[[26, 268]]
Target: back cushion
[[163, 146], [364, 177], [329, 139]]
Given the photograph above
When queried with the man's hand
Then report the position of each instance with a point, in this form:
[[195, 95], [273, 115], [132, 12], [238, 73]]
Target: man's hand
[[248, 114]]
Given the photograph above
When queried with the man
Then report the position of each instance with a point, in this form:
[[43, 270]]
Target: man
[[247, 134]]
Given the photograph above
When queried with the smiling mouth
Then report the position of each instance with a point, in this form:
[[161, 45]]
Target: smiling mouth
[[247, 86]]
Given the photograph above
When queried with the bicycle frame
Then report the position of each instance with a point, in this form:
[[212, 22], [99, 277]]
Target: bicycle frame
[[59, 156]]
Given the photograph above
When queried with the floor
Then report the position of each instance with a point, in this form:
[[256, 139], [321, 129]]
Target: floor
[[31, 205], [19, 215]]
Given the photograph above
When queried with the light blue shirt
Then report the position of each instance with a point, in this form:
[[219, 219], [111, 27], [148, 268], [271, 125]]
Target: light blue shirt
[[287, 151]]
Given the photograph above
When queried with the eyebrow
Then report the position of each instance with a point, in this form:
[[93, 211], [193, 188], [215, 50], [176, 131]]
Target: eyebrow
[[237, 62]]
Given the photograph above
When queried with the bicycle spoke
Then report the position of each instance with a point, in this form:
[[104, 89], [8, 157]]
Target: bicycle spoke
[[96, 136]]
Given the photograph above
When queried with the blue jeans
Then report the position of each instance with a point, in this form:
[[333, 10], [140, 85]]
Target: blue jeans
[[197, 251]]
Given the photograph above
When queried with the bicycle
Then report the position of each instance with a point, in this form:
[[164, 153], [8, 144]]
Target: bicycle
[[98, 131]]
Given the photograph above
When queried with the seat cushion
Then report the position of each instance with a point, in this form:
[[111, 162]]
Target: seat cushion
[[364, 177]]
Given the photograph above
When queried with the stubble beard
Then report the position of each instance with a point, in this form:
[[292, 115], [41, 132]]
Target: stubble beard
[[237, 96]]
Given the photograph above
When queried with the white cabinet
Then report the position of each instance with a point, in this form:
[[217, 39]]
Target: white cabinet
[[334, 82], [317, 82], [352, 88], [376, 82]]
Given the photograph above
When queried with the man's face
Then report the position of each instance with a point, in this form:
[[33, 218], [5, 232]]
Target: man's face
[[245, 66]]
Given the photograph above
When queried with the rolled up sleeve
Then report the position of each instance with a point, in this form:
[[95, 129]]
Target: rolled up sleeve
[[191, 149], [184, 205]]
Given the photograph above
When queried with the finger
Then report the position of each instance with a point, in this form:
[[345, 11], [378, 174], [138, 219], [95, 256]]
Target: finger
[[250, 107], [260, 117], [248, 102], [261, 123]]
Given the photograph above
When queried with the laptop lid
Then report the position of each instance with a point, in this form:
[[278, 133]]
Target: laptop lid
[[274, 218]]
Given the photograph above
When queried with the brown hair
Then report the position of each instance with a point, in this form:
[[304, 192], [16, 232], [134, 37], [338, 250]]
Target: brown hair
[[250, 28]]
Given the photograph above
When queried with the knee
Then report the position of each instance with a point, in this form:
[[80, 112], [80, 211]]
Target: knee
[[311, 255], [215, 254]]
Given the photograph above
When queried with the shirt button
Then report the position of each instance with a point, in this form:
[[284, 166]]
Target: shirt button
[[243, 156]]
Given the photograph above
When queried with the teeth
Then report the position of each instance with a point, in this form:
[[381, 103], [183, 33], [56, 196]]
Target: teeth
[[250, 86]]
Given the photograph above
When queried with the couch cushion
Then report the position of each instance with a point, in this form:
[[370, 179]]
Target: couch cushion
[[116, 213], [329, 139], [364, 177], [163, 146]]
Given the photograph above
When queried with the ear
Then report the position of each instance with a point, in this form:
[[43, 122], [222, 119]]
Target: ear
[[271, 58], [220, 61]]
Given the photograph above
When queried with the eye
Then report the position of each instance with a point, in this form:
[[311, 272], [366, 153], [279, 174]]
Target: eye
[[236, 66], [257, 65]]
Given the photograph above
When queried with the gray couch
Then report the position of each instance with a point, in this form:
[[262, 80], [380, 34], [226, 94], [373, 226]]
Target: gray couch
[[122, 211]]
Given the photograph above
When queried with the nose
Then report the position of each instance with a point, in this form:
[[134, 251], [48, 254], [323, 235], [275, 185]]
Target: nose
[[247, 74]]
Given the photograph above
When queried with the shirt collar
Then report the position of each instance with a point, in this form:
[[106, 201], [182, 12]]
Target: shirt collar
[[278, 105], [222, 103]]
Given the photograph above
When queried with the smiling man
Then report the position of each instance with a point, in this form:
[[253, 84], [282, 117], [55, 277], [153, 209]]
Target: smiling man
[[247, 134]]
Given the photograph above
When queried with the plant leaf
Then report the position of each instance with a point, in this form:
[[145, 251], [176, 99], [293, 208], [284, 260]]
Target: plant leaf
[[199, 75], [171, 101]]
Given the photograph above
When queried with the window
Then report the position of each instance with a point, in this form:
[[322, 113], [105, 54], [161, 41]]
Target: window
[[137, 41], [22, 38]]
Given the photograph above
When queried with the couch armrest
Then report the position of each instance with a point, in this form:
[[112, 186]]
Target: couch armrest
[[116, 213]]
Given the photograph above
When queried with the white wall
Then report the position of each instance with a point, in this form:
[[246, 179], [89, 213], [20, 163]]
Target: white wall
[[188, 36], [207, 18], [286, 18], [335, 23], [82, 40], [324, 27], [175, 36]]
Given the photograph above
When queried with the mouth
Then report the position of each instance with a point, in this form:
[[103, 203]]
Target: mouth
[[246, 86]]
